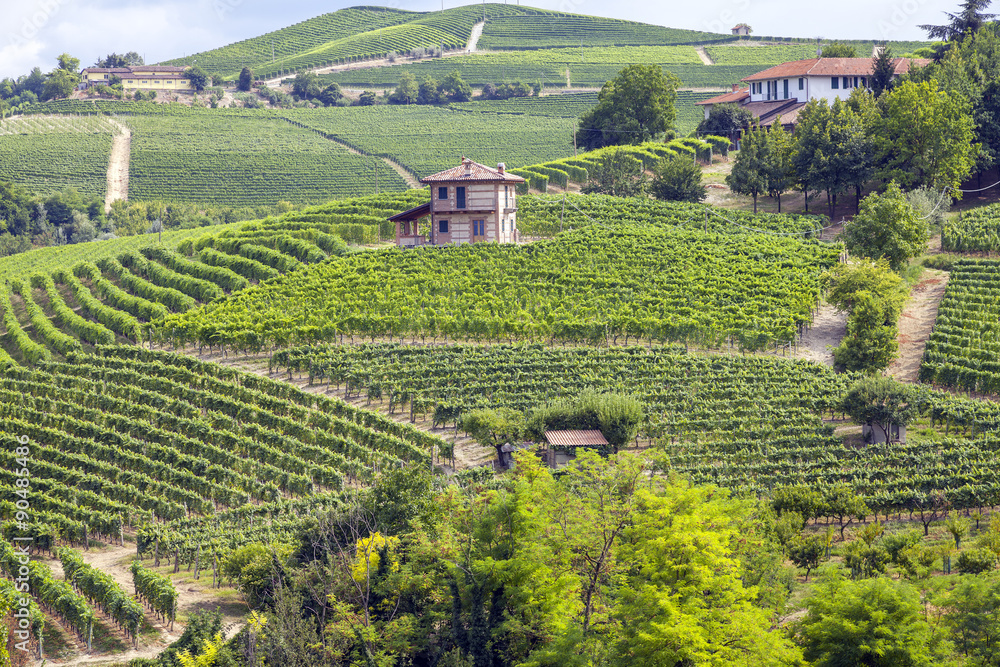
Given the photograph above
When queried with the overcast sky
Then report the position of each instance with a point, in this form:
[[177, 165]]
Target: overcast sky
[[34, 32]]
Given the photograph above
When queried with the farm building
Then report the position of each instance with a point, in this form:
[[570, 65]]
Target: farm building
[[781, 91], [741, 29], [470, 203], [563, 445], [138, 77]]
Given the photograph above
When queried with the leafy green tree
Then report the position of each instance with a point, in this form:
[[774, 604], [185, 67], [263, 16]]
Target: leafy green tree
[[68, 63], [197, 76], [807, 553], [678, 179], [368, 98], [874, 622], [883, 71], [967, 22], [306, 85], [427, 92], [972, 614], [407, 90], [618, 174], [844, 505], [800, 499], [888, 227], [635, 106], [726, 120], [59, 84], [749, 173], [455, 88], [493, 428], [879, 402], [331, 95], [779, 169], [812, 149], [926, 137], [838, 50], [246, 79], [851, 161]]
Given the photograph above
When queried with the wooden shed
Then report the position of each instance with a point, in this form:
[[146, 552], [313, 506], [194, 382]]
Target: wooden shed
[[470, 203], [563, 445]]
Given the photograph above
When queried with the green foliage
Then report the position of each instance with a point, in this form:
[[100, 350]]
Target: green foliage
[[879, 402], [678, 179], [636, 106], [887, 227], [493, 428], [617, 417], [807, 553], [875, 622], [197, 76], [726, 120], [883, 72], [976, 561], [976, 229], [618, 174], [838, 50], [246, 80]]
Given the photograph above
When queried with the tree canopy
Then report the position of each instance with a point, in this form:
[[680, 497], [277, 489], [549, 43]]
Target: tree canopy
[[635, 106], [879, 402], [888, 227], [966, 22]]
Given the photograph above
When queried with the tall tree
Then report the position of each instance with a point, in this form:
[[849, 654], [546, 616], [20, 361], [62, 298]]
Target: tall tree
[[618, 174], [966, 22], [879, 402], [852, 157], [812, 149], [306, 85], [246, 79], [779, 168], [883, 71], [635, 106], [455, 88], [888, 227], [407, 90], [197, 76], [749, 173], [926, 137]]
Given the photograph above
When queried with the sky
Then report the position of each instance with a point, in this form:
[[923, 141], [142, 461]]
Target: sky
[[34, 32]]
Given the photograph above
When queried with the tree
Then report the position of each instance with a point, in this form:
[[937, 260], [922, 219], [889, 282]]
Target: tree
[[197, 76], [678, 179], [618, 174], [888, 227], [407, 90], [635, 106], [812, 149], [246, 79], [845, 281], [873, 622], [851, 161], [726, 120], [331, 95], [838, 50], [807, 552], [306, 85], [130, 59], [843, 504], [926, 137], [69, 64], [749, 173], [879, 402], [883, 71], [427, 92], [368, 98], [455, 88], [967, 22], [493, 428], [779, 171]]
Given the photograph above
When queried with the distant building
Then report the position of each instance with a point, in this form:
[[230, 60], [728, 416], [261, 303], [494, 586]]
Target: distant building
[[470, 203], [783, 90], [138, 77], [741, 29]]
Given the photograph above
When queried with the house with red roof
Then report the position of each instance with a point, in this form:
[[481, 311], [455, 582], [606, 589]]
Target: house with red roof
[[470, 203], [781, 91]]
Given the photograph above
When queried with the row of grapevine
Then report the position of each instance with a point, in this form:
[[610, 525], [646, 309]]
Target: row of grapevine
[[156, 591], [975, 230], [102, 590]]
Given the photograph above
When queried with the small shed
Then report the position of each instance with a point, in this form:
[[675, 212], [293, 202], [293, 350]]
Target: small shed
[[741, 29], [563, 445], [874, 435]]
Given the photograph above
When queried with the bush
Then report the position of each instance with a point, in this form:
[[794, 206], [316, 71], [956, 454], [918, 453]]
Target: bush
[[678, 179], [976, 561]]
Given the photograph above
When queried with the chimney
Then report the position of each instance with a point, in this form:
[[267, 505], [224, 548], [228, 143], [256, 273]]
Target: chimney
[[501, 167], [467, 163], [736, 87]]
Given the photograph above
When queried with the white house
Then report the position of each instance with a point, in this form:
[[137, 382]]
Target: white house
[[784, 89]]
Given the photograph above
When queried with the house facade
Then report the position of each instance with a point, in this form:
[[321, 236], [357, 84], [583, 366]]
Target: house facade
[[139, 77], [781, 91], [470, 203]]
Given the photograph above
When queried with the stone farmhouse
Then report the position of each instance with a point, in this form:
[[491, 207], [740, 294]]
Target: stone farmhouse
[[470, 203], [138, 77]]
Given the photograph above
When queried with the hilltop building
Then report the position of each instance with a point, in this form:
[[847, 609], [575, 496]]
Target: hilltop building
[[138, 77], [741, 29], [470, 203], [783, 90]]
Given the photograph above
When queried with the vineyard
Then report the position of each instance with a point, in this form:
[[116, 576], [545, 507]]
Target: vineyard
[[975, 230], [567, 105], [963, 349], [748, 423], [47, 154], [592, 285]]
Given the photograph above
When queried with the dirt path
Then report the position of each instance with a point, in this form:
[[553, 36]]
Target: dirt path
[[916, 323], [703, 54], [827, 330], [192, 595], [121, 149], [477, 32]]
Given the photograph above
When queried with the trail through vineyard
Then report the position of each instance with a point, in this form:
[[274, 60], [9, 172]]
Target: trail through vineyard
[[192, 595], [407, 176], [917, 322], [477, 32], [703, 54], [828, 328], [121, 148]]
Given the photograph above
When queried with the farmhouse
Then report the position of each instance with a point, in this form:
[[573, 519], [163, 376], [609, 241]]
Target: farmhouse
[[138, 77], [470, 203], [781, 91]]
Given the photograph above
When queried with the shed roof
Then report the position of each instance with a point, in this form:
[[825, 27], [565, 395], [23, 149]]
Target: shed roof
[[831, 67], [578, 438], [414, 213], [726, 98], [472, 171]]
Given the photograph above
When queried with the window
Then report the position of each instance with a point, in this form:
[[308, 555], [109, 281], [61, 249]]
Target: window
[[460, 197], [855, 82], [442, 226], [864, 82], [506, 196], [802, 83], [847, 83], [478, 228], [503, 224], [786, 88], [443, 193], [835, 83]]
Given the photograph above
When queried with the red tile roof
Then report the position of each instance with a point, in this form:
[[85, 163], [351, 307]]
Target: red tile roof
[[414, 213], [831, 67], [735, 96], [471, 171], [157, 68], [788, 115], [575, 438]]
